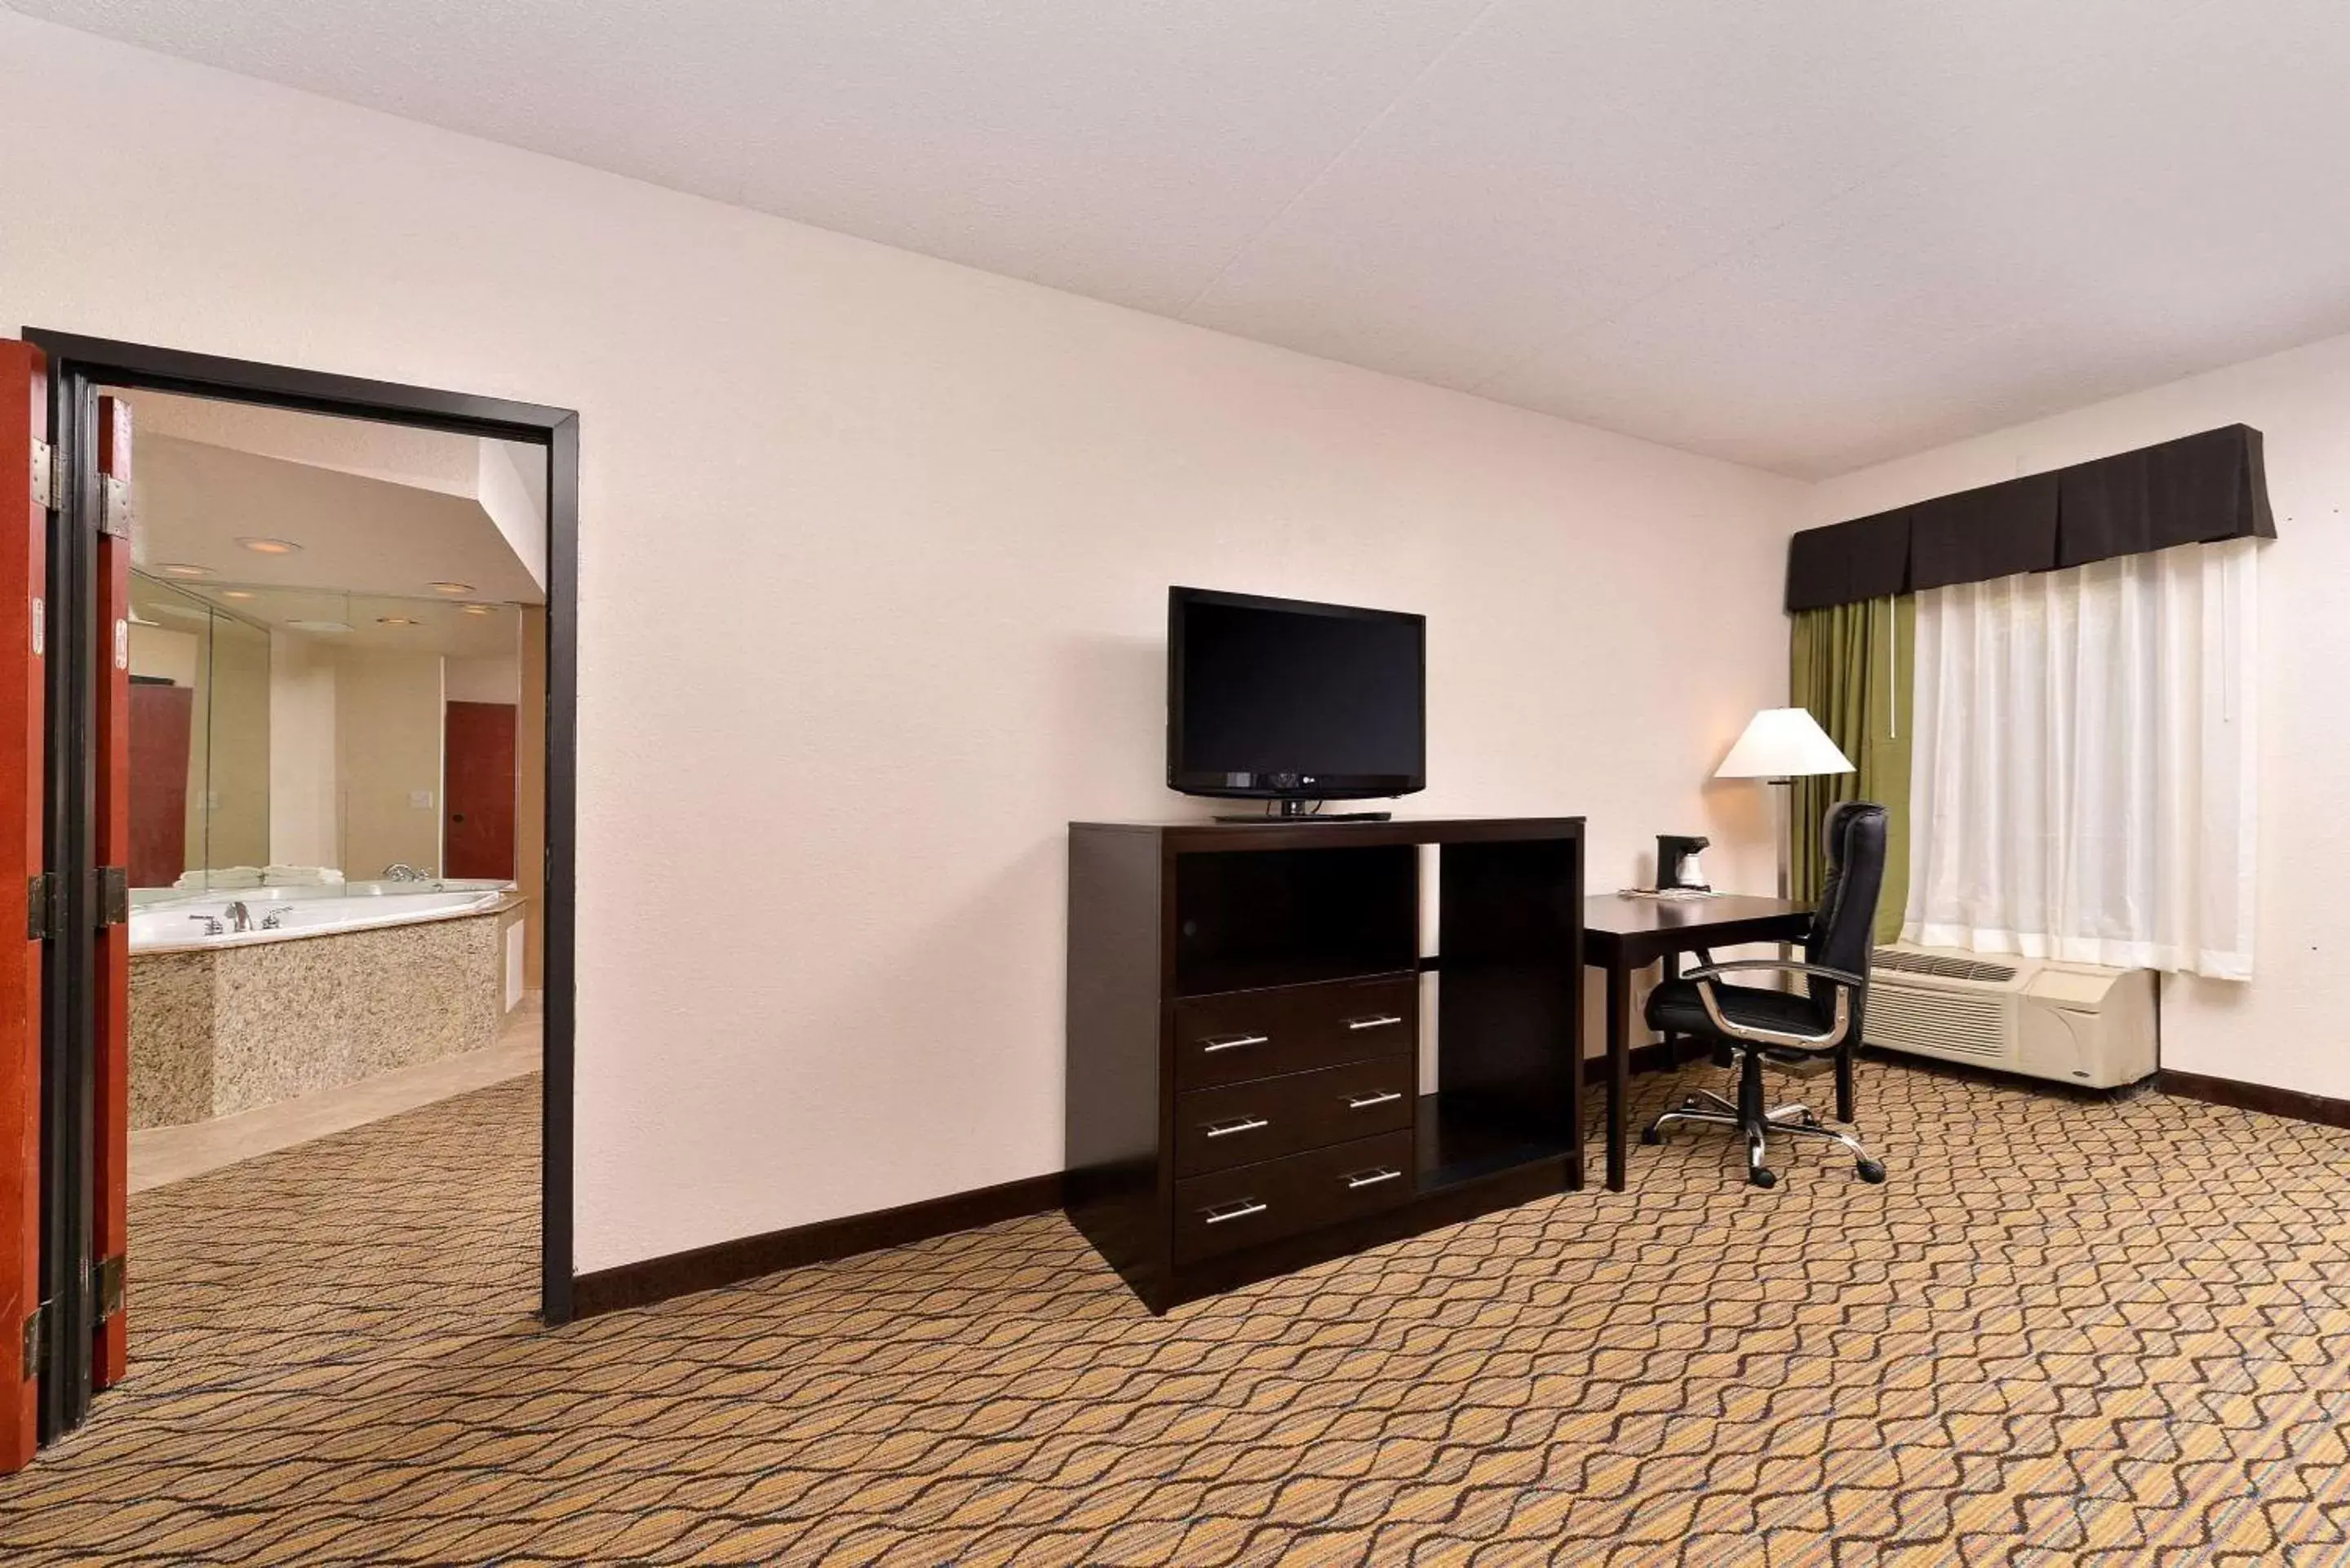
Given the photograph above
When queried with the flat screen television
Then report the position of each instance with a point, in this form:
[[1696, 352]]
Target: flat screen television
[[1284, 700]]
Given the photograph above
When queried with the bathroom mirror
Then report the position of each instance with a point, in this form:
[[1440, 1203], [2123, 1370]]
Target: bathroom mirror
[[290, 735], [199, 737]]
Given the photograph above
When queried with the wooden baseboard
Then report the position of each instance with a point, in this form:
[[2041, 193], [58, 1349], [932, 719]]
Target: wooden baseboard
[[731, 1263], [2242, 1097]]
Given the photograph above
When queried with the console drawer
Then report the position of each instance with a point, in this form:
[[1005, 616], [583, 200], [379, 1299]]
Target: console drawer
[[1250, 1204], [1243, 1123], [1245, 1036]]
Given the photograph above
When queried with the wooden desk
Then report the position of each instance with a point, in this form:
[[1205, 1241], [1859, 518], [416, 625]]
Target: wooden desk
[[1622, 934]]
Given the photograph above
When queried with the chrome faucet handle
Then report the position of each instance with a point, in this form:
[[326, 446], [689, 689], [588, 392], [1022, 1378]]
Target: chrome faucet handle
[[211, 924]]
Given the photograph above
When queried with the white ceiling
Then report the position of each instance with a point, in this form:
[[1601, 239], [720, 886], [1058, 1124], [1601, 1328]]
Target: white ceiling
[[377, 509], [1806, 236]]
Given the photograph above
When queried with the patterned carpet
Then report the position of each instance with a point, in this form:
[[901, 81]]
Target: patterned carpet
[[2114, 1333]]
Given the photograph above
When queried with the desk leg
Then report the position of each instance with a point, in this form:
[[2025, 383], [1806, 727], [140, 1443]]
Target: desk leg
[[1619, 1069]]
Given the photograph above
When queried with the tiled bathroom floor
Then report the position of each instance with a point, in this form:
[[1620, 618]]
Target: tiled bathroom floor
[[160, 1155]]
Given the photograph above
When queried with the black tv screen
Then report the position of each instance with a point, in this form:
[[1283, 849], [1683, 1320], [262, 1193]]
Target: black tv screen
[[1282, 699]]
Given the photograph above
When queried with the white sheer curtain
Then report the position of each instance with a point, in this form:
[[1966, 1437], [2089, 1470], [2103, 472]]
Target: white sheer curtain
[[2085, 762]]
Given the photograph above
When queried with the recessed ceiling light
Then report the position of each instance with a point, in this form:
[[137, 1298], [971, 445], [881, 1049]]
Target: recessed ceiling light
[[270, 546], [236, 593], [479, 609], [184, 569], [396, 620], [317, 626], [451, 588]]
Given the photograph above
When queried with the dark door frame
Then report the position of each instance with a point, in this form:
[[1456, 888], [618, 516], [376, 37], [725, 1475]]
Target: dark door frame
[[78, 367]]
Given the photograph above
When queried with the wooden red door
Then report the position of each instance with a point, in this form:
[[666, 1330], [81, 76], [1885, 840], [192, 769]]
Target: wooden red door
[[477, 790], [23, 585], [111, 842], [163, 729]]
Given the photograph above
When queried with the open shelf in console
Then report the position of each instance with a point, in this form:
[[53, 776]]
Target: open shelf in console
[[1250, 919], [1465, 1137]]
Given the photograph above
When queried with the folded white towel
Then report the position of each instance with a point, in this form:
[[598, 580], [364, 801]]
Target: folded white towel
[[221, 877]]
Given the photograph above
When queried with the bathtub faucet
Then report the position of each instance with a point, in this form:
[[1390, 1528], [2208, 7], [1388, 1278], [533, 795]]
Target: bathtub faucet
[[240, 918]]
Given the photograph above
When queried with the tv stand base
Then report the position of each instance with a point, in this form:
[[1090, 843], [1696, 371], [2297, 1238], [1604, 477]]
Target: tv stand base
[[1299, 808]]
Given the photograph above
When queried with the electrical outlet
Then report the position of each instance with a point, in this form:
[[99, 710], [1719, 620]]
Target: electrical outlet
[[421, 799]]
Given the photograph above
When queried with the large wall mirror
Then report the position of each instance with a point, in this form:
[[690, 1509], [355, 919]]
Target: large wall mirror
[[296, 734]]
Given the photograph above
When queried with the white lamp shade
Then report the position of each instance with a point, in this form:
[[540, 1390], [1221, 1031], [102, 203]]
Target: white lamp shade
[[1783, 743]]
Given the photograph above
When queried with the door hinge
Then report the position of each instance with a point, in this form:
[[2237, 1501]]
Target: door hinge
[[114, 506], [106, 1300], [113, 898], [37, 1340], [37, 909], [47, 477]]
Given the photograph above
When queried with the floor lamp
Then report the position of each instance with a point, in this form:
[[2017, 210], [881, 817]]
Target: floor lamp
[[1780, 746]]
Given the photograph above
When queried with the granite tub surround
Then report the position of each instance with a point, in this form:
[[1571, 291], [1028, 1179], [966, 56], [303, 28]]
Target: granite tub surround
[[170, 1039], [221, 1030]]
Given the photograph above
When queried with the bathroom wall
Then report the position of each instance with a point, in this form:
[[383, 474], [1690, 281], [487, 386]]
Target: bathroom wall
[[482, 679], [306, 819], [388, 718], [235, 747], [357, 757]]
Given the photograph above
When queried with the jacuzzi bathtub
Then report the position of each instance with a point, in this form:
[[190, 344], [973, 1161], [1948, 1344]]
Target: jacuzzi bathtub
[[203, 921]]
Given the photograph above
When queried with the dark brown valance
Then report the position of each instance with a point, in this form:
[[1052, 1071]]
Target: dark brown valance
[[2195, 490], [1866, 558], [2191, 491], [1977, 534]]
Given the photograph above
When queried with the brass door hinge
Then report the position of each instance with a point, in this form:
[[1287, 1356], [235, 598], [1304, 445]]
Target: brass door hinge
[[35, 1340], [49, 477]]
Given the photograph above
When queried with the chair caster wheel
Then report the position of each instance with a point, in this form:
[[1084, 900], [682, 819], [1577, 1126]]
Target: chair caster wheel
[[1650, 1135], [1761, 1178], [1870, 1170]]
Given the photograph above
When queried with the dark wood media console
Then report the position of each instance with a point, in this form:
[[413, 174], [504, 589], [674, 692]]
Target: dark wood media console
[[1244, 1022]]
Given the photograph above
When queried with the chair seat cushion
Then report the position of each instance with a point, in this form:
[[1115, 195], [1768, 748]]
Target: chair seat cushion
[[1674, 1007]]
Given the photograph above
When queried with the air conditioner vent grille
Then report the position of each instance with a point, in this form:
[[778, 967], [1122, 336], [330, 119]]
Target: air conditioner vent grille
[[1901, 962], [1937, 1022]]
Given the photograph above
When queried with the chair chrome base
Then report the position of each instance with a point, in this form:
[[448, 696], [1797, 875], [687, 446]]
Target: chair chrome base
[[1797, 1120]]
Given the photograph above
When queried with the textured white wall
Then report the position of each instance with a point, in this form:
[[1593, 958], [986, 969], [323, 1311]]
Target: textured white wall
[[873, 558], [2284, 1028]]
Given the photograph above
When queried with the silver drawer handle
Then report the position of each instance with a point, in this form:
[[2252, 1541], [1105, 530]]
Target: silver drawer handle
[[1238, 1125], [1219, 1214], [1381, 1021], [1371, 1177], [1232, 1042], [1365, 1102]]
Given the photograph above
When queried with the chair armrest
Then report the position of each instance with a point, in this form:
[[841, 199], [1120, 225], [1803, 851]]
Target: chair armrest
[[1786, 966], [1846, 985]]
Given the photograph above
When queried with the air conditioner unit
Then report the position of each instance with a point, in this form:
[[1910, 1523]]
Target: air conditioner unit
[[2074, 1022]]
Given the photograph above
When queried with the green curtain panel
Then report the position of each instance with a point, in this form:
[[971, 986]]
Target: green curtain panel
[[1850, 665]]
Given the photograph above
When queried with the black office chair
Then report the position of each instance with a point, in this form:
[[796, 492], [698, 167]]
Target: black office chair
[[1802, 1033]]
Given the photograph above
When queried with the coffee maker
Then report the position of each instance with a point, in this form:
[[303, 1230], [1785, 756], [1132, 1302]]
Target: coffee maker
[[1676, 867]]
